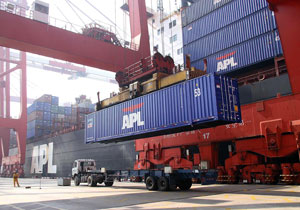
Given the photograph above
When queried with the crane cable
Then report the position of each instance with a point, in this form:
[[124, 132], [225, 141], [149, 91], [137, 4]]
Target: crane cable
[[152, 29], [75, 12], [66, 18], [106, 17], [81, 11], [172, 43]]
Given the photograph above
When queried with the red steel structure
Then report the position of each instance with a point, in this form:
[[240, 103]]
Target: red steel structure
[[264, 148], [47, 40], [6, 122], [24, 34]]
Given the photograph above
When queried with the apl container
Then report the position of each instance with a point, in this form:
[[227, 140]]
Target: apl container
[[206, 101], [223, 11], [243, 30], [245, 54], [199, 9]]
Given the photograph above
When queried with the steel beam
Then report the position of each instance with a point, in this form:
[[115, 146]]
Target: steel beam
[[32, 36], [288, 21]]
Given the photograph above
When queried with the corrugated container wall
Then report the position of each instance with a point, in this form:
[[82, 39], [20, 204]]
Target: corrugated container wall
[[209, 100], [234, 35]]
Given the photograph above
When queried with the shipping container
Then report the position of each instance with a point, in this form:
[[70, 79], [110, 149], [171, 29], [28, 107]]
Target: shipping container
[[55, 100], [47, 107], [245, 54], [220, 12], [205, 101], [61, 110], [45, 98], [35, 124], [243, 30], [36, 115], [36, 106], [68, 111], [54, 109]]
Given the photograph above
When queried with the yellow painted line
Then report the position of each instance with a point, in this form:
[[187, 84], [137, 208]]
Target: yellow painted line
[[253, 197], [226, 196], [124, 199], [228, 209], [288, 200]]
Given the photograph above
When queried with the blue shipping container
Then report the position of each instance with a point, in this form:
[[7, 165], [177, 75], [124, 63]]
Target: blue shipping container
[[36, 106], [47, 107], [248, 53], [68, 111], [206, 101], [224, 16], [245, 29], [54, 100], [200, 8]]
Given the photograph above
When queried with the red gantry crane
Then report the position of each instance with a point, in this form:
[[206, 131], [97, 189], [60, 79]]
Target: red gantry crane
[[28, 35]]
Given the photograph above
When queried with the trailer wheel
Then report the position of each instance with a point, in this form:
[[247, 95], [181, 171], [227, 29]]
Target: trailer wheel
[[91, 182], [185, 184], [109, 184], [163, 183], [76, 181], [151, 183]]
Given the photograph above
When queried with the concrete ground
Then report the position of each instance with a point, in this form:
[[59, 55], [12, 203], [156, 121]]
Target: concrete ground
[[135, 196]]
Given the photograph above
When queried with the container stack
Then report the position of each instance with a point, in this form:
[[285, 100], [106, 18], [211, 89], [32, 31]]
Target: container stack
[[45, 116], [40, 116], [82, 107], [229, 34]]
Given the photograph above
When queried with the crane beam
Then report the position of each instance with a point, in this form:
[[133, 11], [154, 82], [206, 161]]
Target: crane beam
[[32, 36], [288, 21]]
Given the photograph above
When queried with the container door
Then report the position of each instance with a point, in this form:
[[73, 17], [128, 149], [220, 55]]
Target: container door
[[90, 128], [228, 99], [203, 99]]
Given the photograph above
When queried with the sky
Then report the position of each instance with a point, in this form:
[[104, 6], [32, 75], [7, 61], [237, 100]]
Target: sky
[[63, 13]]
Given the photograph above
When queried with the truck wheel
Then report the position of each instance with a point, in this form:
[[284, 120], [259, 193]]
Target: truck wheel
[[109, 184], [185, 184], [76, 181], [163, 183], [151, 183], [91, 182]]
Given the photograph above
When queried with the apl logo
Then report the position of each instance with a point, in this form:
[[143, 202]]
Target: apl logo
[[227, 61], [42, 155], [133, 118], [90, 123]]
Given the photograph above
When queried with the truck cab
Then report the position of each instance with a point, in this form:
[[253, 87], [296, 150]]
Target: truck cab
[[85, 171], [83, 165]]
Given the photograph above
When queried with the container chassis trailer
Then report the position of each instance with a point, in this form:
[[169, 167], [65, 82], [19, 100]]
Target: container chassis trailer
[[161, 179]]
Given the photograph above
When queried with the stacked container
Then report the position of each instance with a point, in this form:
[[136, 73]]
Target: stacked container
[[45, 116], [229, 34], [40, 115]]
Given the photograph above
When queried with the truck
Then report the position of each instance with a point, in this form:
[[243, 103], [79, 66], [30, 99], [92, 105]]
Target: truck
[[85, 171]]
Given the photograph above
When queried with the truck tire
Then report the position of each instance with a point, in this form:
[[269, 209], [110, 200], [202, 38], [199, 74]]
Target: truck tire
[[91, 182], [76, 181], [163, 183], [151, 183], [185, 184], [109, 184]]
